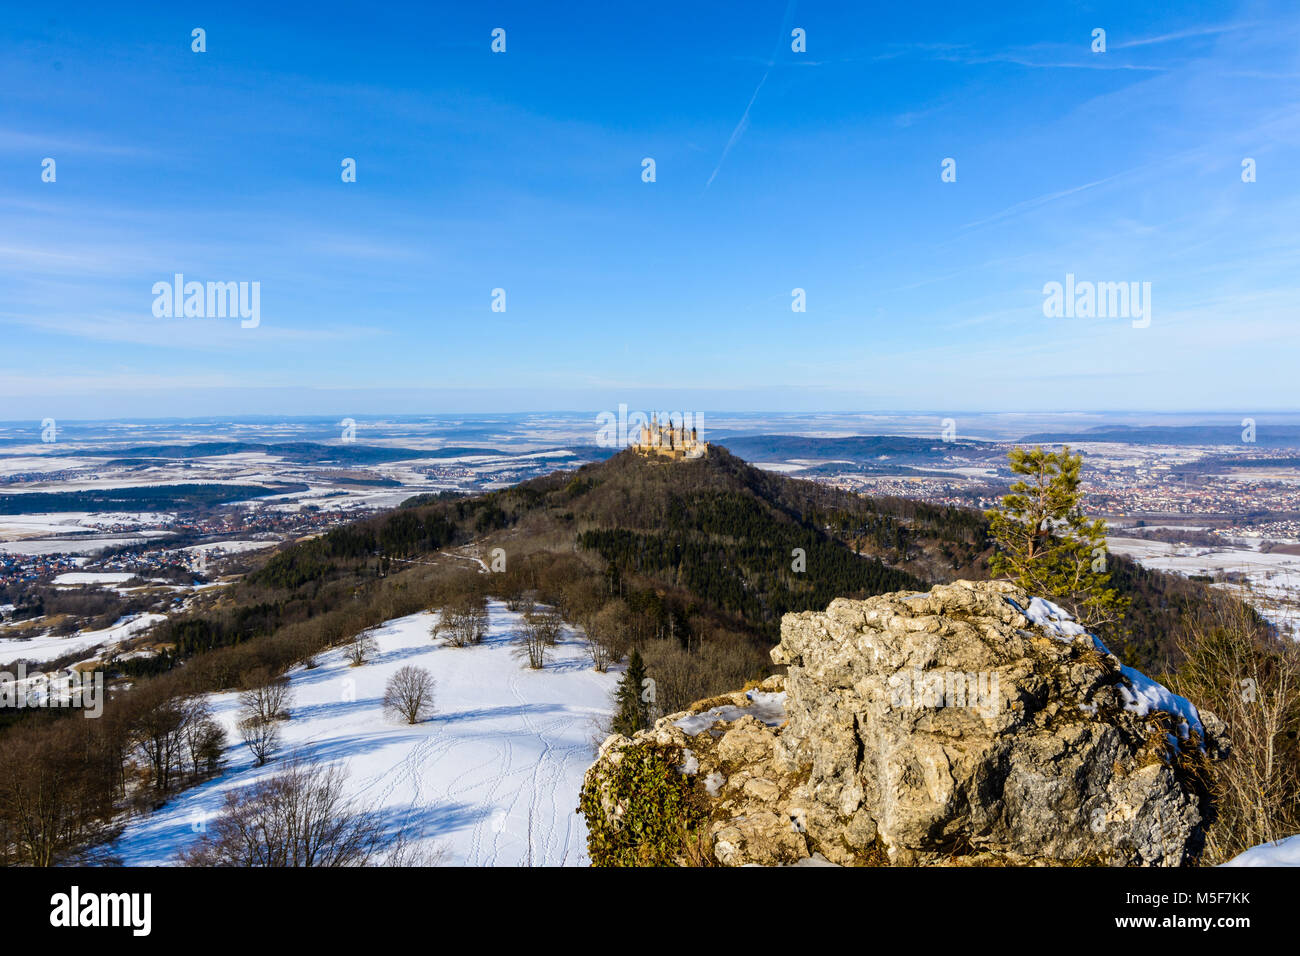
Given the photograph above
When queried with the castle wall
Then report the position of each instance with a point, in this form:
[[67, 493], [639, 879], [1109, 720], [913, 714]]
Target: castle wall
[[669, 442]]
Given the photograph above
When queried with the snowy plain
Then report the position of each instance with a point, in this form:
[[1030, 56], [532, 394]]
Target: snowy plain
[[1273, 579], [492, 778], [48, 647]]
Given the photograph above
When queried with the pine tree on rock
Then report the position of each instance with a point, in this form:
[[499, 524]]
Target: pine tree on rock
[[631, 712], [1046, 544]]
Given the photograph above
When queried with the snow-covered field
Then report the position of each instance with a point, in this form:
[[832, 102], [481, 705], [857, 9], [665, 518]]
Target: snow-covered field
[[49, 647], [84, 545], [227, 547], [37, 525], [93, 577], [1273, 579], [495, 770]]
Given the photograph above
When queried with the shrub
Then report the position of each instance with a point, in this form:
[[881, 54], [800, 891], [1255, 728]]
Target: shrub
[[298, 817], [463, 621], [359, 648], [663, 811], [541, 629]]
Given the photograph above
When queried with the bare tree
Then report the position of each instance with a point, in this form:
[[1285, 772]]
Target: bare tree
[[463, 621], [208, 746], [547, 622], [539, 631], [266, 696], [520, 601], [56, 793], [300, 816], [1250, 679], [259, 735], [205, 739], [607, 633], [599, 652], [359, 648], [682, 677], [160, 736], [409, 694], [580, 599]]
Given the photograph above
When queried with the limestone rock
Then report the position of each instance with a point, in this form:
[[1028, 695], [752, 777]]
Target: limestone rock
[[970, 724]]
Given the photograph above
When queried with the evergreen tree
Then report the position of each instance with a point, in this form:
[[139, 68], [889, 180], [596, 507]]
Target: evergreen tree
[[1046, 545], [631, 712]]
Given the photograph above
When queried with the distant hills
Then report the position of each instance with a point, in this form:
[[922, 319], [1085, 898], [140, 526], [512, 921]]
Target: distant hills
[[307, 453], [140, 498], [855, 448], [894, 452], [1272, 436], [903, 451], [319, 453]]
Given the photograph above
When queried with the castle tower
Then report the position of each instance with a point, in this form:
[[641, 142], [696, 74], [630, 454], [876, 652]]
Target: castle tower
[[670, 439]]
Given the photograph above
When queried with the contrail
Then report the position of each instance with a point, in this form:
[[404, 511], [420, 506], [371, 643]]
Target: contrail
[[740, 128], [744, 119]]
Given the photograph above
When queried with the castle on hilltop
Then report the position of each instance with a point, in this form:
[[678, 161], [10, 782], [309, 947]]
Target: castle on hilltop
[[669, 441]]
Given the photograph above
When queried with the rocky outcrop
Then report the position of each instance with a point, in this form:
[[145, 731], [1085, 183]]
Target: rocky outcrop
[[970, 724]]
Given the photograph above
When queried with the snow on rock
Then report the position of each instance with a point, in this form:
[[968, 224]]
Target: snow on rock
[[1145, 695], [1142, 695], [495, 770], [1053, 619], [690, 763], [767, 706], [1282, 853]]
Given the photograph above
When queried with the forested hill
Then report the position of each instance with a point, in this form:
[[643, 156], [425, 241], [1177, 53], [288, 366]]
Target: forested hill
[[713, 537], [695, 546]]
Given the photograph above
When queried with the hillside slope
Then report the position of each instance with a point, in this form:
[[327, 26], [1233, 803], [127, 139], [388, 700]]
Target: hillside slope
[[722, 532], [490, 780], [697, 548]]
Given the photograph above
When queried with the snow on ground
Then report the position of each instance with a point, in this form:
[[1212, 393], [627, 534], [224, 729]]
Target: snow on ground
[[1282, 853], [41, 525], [84, 544], [94, 577], [228, 547], [503, 755], [1273, 578], [49, 647]]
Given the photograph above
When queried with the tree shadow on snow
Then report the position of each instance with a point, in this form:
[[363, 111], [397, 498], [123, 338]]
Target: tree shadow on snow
[[490, 713], [423, 822], [334, 708]]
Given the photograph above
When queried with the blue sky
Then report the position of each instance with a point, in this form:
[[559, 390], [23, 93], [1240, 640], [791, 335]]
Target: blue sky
[[522, 171]]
